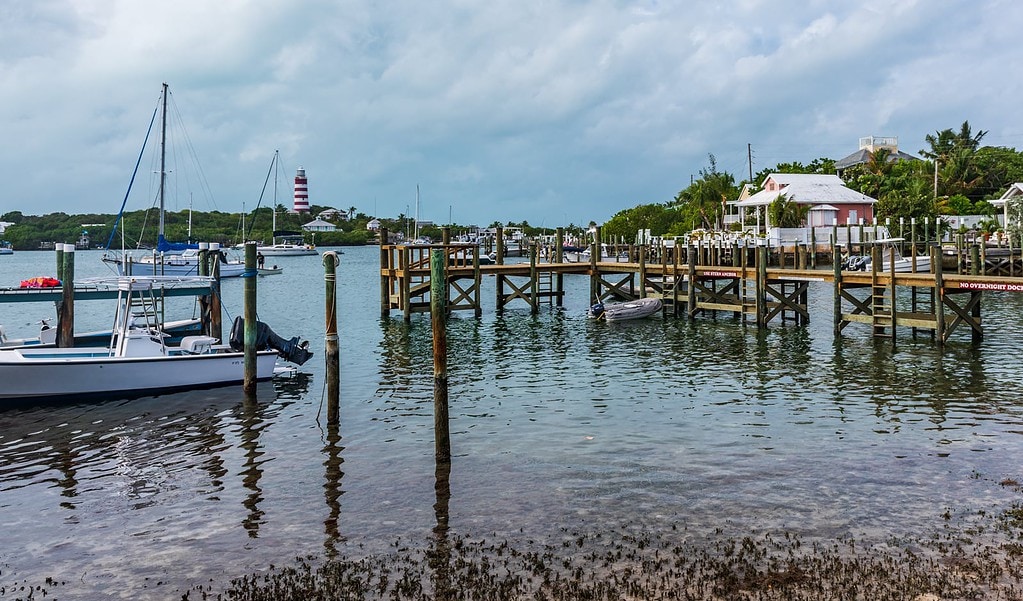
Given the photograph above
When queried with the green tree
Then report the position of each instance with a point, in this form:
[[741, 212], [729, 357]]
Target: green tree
[[785, 212]]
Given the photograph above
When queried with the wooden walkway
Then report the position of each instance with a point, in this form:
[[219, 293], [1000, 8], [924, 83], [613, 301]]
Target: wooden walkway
[[936, 302]]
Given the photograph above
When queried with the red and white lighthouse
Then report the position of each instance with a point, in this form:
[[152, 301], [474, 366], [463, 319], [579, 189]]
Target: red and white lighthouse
[[301, 192]]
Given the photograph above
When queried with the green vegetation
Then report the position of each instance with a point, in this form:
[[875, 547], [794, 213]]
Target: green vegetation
[[968, 177], [957, 176]]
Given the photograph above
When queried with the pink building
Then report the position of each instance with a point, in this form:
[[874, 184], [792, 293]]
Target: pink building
[[830, 201]]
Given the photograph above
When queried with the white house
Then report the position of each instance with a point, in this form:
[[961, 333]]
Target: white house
[[319, 225], [373, 225], [829, 199], [4, 225], [1015, 191]]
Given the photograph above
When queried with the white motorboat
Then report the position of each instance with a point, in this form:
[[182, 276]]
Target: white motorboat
[[138, 360], [6, 248], [174, 331], [634, 309], [889, 254], [607, 255], [286, 246]]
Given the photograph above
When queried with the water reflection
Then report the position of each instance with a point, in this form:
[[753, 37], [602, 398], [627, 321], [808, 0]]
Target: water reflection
[[332, 488]]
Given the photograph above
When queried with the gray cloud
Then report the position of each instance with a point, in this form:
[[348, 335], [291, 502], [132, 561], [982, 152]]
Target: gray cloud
[[545, 111]]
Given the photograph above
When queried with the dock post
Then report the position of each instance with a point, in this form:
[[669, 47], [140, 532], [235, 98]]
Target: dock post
[[385, 279], [594, 276], [202, 270], [939, 288], [813, 248], [66, 313], [445, 235], [332, 354], [762, 259], [534, 292], [691, 274], [216, 314], [499, 249], [642, 271], [438, 321], [836, 265], [405, 267], [249, 382], [975, 259], [559, 257], [59, 253]]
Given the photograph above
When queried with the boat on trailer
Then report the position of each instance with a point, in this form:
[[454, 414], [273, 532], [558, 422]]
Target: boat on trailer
[[138, 359], [634, 309]]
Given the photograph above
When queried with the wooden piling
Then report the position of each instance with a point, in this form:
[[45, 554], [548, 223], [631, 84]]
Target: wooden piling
[[332, 354], [761, 286], [59, 253], [642, 272], [559, 257], [66, 319], [836, 265], [438, 320], [691, 288], [939, 305], [385, 286], [249, 382], [534, 291], [216, 312]]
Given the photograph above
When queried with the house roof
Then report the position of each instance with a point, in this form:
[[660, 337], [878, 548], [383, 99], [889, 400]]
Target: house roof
[[319, 224], [809, 189], [1013, 191], [862, 155]]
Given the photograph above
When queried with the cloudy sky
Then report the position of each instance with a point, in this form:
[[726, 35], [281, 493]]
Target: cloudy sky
[[551, 111]]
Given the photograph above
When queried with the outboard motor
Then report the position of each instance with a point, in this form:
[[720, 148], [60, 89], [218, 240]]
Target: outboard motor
[[597, 310], [293, 350]]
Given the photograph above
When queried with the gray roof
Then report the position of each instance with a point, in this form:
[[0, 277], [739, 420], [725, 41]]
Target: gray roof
[[862, 155]]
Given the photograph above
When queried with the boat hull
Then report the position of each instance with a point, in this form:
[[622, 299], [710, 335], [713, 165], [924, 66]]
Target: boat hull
[[69, 374], [636, 309], [286, 250]]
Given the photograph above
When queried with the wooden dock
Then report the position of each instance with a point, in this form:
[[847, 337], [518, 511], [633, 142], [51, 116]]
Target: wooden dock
[[750, 289]]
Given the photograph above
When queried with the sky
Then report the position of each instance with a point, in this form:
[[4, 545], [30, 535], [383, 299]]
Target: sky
[[546, 111]]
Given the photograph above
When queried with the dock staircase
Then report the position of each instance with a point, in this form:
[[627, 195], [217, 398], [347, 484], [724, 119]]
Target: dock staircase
[[882, 308]]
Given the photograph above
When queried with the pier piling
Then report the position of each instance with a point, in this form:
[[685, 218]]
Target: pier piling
[[66, 317], [249, 382], [438, 321], [332, 354]]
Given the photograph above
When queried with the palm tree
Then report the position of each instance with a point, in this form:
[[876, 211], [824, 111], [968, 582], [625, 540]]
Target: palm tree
[[786, 212], [351, 213]]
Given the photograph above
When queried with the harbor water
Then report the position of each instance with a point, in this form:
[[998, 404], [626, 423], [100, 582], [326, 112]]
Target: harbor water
[[558, 423]]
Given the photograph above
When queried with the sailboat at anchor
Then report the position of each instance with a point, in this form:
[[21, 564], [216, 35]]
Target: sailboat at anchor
[[168, 258]]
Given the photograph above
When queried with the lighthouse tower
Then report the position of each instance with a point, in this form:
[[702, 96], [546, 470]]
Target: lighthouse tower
[[301, 192]]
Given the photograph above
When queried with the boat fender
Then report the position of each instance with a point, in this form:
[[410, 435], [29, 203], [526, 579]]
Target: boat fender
[[293, 350]]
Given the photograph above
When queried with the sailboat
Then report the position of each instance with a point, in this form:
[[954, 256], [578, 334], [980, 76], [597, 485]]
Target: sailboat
[[285, 243], [168, 258]]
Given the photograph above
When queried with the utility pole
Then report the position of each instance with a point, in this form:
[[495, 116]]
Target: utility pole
[[749, 156]]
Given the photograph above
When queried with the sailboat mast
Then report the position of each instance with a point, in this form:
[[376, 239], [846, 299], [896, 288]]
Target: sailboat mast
[[163, 155], [417, 211], [277, 168]]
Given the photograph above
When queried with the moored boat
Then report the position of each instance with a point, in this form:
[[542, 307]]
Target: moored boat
[[138, 359], [634, 309]]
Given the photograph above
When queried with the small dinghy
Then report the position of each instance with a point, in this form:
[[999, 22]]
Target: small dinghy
[[635, 309]]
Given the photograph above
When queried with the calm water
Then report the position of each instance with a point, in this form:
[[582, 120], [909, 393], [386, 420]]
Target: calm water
[[557, 422]]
